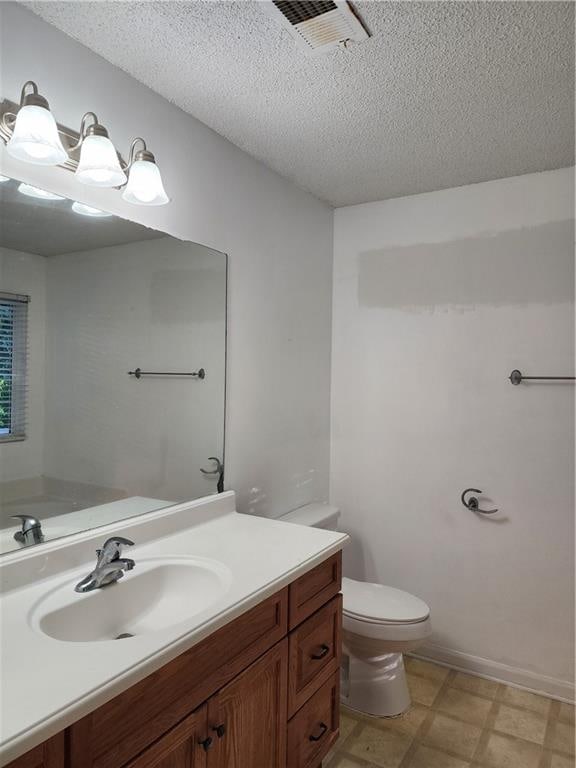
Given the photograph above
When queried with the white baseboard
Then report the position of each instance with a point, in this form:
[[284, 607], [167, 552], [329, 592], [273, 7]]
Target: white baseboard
[[501, 673]]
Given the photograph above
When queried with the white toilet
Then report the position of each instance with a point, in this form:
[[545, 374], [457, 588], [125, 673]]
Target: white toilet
[[379, 625]]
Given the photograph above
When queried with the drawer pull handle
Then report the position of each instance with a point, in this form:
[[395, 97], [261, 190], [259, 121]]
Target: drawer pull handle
[[220, 730], [321, 653], [206, 743], [323, 729]]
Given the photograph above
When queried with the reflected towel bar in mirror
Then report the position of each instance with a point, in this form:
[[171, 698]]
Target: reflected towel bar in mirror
[[516, 377], [138, 373]]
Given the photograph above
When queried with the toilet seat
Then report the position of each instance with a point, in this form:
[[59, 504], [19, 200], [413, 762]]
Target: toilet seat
[[379, 604]]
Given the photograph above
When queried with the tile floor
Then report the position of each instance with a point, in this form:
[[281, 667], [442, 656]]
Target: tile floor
[[459, 721]]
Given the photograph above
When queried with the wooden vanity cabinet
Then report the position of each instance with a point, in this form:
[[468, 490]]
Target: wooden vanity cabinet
[[261, 692]]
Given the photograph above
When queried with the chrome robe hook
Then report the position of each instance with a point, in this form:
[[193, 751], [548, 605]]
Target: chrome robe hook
[[473, 504]]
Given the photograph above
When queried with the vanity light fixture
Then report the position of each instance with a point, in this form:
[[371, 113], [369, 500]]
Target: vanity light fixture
[[144, 181], [41, 194], [35, 136], [32, 135], [88, 210]]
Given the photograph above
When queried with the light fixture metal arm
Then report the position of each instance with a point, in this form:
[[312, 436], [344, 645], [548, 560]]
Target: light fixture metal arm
[[133, 146], [142, 154], [9, 118], [83, 125], [23, 93]]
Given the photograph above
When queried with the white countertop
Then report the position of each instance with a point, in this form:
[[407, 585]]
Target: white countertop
[[49, 684]]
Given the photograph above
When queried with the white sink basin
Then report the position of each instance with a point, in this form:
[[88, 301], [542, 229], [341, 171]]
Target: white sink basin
[[155, 595]]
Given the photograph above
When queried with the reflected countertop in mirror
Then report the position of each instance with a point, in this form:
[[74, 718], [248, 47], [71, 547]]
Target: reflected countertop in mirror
[[87, 300]]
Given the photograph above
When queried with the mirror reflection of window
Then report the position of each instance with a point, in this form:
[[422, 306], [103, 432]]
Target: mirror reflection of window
[[13, 365]]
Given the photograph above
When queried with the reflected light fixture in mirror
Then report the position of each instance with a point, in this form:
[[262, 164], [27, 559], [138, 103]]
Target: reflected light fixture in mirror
[[98, 165], [41, 194], [88, 210], [3, 179], [35, 136]]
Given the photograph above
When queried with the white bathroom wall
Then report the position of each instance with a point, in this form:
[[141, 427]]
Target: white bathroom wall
[[25, 273], [278, 237], [159, 305], [437, 298]]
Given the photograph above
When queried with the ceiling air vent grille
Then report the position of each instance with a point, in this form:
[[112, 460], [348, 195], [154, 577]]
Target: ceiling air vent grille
[[319, 26], [296, 12]]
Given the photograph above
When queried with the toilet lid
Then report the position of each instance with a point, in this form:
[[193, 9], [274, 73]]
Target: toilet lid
[[377, 603]]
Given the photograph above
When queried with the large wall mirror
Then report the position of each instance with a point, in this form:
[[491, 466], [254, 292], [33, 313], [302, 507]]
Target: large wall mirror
[[112, 368]]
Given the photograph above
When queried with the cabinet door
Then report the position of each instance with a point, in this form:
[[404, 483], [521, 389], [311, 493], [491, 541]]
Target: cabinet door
[[247, 718], [185, 746], [50, 754]]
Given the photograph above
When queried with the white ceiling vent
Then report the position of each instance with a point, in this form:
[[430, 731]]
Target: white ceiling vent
[[318, 25]]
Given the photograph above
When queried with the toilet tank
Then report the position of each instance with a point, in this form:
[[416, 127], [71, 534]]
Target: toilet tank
[[316, 515]]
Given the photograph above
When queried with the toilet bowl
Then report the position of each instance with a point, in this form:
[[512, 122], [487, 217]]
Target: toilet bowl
[[379, 624]]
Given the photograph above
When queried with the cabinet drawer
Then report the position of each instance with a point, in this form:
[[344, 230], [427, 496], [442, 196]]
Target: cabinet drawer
[[118, 731], [314, 652], [311, 591], [313, 730]]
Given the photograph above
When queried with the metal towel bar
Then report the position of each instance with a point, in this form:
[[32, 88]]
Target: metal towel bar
[[138, 373], [516, 377]]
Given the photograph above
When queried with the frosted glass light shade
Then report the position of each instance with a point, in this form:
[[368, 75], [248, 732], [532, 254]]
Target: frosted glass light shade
[[35, 137], [145, 185], [99, 165]]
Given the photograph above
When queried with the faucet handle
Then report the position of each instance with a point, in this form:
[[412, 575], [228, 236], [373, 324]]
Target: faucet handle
[[118, 540], [112, 549], [28, 522]]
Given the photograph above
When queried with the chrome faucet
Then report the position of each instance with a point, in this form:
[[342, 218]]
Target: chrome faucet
[[109, 567], [31, 532]]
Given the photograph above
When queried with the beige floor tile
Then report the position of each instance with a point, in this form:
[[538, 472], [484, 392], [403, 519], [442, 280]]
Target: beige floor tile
[[453, 736], [380, 746], [521, 723], [425, 669], [566, 713], [408, 723], [519, 698], [464, 705], [345, 762], [562, 737], [426, 757], [474, 684], [504, 752], [347, 725], [561, 761], [422, 689]]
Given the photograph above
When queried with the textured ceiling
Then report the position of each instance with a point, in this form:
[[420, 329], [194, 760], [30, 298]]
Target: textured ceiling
[[442, 94]]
